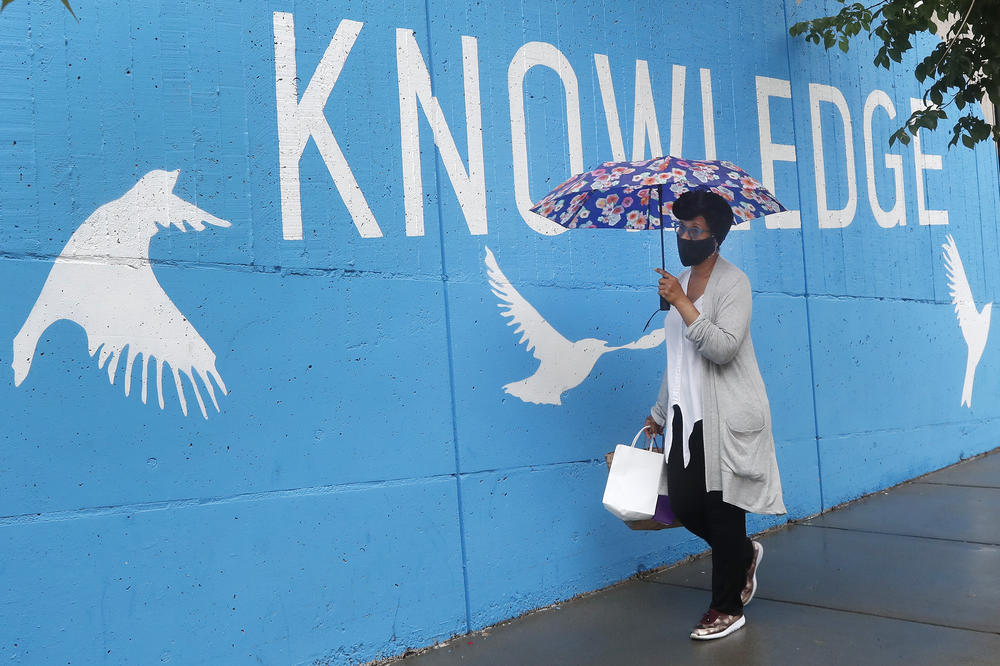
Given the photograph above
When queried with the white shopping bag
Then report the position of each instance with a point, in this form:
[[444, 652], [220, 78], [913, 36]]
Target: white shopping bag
[[635, 481]]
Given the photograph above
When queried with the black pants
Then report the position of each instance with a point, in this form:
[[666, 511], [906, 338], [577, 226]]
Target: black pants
[[705, 515]]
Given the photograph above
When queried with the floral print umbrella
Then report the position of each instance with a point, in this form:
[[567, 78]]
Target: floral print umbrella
[[640, 195]]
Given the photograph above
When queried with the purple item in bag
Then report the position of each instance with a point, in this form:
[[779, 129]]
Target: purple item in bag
[[664, 514], [663, 517]]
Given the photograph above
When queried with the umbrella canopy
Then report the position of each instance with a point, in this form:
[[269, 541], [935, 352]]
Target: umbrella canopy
[[641, 195]]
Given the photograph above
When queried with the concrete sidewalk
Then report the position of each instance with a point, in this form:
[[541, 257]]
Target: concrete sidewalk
[[910, 575]]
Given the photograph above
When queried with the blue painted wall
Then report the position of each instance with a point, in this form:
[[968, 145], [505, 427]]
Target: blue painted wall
[[367, 485]]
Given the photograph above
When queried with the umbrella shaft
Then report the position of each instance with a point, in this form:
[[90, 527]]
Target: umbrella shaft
[[664, 303], [663, 255]]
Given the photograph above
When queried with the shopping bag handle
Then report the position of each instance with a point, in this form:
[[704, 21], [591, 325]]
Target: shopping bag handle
[[639, 434]]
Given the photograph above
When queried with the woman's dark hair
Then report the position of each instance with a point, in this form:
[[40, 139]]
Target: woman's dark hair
[[712, 206]]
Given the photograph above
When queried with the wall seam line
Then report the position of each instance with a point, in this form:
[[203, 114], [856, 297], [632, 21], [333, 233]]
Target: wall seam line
[[284, 493], [448, 336], [805, 270]]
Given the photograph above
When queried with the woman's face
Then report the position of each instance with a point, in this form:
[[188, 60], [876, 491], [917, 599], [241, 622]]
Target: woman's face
[[695, 242], [695, 229]]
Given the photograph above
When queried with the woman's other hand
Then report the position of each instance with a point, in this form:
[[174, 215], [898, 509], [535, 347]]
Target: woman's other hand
[[652, 428]]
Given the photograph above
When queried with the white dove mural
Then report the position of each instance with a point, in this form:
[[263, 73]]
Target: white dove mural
[[104, 282], [975, 324], [563, 364]]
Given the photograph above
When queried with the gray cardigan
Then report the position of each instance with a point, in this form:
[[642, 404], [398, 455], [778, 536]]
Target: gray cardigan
[[736, 422]]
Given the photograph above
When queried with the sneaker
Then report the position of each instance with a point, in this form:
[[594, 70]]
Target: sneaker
[[716, 625], [751, 586]]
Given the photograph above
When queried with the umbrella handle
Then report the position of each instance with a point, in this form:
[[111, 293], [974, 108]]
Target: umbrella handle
[[664, 303]]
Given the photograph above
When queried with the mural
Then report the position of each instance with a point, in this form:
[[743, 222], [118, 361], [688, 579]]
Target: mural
[[975, 324], [380, 292], [563, 364], [103, 281]]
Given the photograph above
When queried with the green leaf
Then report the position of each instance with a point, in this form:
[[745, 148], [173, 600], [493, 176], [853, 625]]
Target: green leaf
[[844, 46], [4, 4], [901, 136]]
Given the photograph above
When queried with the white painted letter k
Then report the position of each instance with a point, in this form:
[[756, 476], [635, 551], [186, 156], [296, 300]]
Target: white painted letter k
[[298, 120]]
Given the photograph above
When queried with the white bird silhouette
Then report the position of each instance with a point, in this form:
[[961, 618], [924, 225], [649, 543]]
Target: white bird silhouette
[[563, 364], [975, 325], [103, 281]]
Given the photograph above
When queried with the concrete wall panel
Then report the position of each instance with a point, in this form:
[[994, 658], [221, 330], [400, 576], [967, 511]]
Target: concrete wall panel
[[330, 380], [289, 577], [512, 516]]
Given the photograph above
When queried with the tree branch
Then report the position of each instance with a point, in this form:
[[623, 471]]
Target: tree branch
[[956, 33]]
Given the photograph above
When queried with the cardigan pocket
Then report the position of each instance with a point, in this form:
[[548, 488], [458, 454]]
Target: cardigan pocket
[[743, 448]]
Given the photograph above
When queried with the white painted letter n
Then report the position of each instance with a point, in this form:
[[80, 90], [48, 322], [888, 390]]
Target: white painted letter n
[[414, 89], [298, 120]]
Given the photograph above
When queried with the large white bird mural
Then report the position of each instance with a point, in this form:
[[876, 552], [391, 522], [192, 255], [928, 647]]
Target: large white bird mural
[[103, 281], [975, 324], [563, 364]]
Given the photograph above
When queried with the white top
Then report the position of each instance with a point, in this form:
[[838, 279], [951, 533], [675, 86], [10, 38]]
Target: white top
[[684, 365]]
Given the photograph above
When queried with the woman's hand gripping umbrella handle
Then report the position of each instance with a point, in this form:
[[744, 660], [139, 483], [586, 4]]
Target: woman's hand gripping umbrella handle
[[669, 287]]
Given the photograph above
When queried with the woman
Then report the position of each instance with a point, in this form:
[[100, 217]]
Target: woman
[[720, 460]]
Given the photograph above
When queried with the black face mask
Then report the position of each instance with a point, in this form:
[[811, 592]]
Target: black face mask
[[693, 252]]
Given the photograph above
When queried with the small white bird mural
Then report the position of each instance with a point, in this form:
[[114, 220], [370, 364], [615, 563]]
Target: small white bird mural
[[104, 282], [563, 364], [975, 324]]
